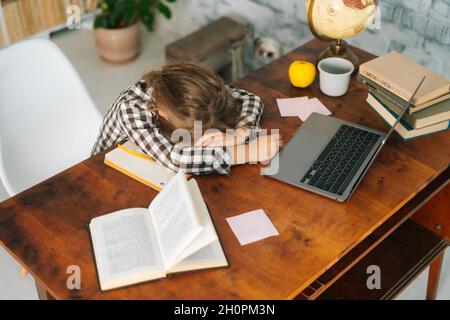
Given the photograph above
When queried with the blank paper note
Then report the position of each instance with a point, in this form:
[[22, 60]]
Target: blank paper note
[[317, 106], [252, 226], [301, 107], [292, 107]]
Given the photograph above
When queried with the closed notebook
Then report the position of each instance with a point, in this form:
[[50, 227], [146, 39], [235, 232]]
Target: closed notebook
[[405, 130], [400, 75], [128, 159], [174, 234]]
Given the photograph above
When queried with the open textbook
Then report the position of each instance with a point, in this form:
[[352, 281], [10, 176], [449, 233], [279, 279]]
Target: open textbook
[[174, 234]]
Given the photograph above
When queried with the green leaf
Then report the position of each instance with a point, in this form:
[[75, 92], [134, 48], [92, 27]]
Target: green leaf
[[146, 13], [101, 22], [131, 15], [123, 13], [148, 19], [146, 5], [164, 10], [110, 4]]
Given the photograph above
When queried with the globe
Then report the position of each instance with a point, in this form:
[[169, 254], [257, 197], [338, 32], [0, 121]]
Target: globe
[[335, 20]]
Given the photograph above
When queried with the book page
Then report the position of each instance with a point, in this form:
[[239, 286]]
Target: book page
[[211, 256], [126, 248], [174, 219], [208, 234]]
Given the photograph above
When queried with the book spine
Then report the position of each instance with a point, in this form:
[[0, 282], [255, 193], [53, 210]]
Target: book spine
[[90, 5], [13, 20], [47, 13], [2, 41], [397, 89], [3, 26], [59, 10], [396, 108], [55, 13], [384, 93], [405, 131], [375, 102], [388, 120], [28, 24], [39, 11], [8, 10], [32, 8]]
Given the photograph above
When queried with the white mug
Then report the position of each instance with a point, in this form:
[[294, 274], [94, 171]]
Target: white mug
[[335, 74]]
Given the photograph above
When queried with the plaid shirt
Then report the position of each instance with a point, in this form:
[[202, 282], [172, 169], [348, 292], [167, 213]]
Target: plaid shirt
[[129, 119]]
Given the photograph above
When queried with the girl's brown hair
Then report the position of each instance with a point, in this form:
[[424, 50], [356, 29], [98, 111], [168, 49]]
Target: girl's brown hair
[[187, 92]]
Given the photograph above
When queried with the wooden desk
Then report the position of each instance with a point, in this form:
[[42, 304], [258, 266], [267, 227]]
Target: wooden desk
[[320, 240]]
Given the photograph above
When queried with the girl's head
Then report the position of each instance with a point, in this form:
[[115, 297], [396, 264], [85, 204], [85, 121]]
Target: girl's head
[[186, 93]]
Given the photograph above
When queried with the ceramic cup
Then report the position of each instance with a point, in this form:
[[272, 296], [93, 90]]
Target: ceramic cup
[[335, 74]]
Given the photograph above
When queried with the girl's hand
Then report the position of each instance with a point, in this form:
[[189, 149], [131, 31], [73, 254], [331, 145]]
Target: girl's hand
[[220, 139], [265, 148]]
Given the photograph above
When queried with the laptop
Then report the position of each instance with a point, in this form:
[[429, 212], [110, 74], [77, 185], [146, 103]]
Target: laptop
[[329, 156]]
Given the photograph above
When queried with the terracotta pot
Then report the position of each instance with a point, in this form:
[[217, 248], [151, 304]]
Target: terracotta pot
[[118, 45]]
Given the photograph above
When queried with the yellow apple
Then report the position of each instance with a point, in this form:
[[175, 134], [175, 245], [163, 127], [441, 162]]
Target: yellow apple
[[302, 73]]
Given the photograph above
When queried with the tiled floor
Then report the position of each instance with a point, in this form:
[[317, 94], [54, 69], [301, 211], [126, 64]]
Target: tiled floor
[[104, 82]]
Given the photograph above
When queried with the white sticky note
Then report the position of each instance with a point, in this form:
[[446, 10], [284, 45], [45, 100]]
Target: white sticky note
[[314, 105], [252, 226], [292, 107], [317, 106]]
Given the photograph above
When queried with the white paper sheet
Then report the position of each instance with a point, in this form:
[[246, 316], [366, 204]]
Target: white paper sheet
[[301, 107], [252, 226], [292, 107]]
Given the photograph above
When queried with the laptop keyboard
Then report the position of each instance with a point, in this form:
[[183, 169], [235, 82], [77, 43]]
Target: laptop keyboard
[[342, 157]]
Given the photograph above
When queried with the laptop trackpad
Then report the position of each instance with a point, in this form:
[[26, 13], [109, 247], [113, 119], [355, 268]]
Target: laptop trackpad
[[306, 145]]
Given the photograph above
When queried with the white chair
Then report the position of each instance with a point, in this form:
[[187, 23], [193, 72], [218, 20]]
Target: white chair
[[48, 121]]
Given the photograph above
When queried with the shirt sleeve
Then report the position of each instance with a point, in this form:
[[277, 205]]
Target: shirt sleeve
[[139, 125], [251, 107]]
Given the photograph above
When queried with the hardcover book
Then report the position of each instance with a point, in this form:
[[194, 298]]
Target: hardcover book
[[405, 130], [174, 234], [380, 91], [400, 75], [437, 113], [128, 159]]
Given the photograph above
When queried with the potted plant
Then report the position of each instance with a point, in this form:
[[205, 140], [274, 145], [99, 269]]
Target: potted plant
[[117, 28]]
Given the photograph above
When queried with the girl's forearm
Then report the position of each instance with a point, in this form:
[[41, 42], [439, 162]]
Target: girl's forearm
[[239, 154]]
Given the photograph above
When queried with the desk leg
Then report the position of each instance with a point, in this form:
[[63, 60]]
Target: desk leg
[[433, 277], [42, 293]]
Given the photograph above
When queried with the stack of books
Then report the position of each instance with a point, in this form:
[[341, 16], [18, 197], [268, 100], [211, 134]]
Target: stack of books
[[391, 80]]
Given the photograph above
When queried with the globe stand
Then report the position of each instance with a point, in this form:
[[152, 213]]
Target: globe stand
[[339, 49]]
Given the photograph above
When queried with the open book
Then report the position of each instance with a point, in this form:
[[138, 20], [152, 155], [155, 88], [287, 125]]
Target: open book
[[174, 234], [130, 160]]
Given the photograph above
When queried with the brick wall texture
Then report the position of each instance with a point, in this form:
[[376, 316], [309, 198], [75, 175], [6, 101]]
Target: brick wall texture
[[419, 29]]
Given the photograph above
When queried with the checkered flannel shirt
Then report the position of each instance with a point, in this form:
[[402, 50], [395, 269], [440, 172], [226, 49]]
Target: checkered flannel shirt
[[130, 119]]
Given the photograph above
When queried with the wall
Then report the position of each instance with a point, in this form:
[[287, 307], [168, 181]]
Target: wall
[[418, 28]]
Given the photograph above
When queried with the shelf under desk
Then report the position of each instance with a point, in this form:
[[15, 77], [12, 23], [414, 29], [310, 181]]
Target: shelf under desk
[[401, 257]]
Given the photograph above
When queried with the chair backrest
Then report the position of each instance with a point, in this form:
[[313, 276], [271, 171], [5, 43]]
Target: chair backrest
[[48, 121]]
